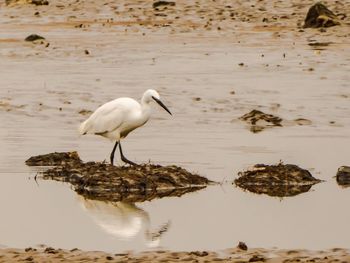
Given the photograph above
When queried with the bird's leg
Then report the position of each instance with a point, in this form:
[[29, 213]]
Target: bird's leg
[[123, 157], [112, 153]]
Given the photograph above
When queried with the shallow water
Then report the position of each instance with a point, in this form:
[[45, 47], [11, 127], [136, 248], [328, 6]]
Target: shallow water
[[202, 136]]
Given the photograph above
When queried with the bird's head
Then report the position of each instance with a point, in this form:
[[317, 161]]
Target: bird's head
[[152, 95]]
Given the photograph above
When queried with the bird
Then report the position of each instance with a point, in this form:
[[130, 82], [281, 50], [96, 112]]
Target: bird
[[117, 118]]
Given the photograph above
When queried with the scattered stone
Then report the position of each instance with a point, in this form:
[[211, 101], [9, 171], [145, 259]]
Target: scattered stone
[[163, 3], [276, 180], [109, 258], [343, 176], [302, 121], [241, 245], [50, 250], [259, 120], [34, 37], [105, 182], [320, 16], [85, 112]]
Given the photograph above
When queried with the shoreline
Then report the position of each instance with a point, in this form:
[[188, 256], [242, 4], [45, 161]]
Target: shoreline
[[49, 254]]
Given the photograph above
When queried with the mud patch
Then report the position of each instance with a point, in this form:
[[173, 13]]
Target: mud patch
[[259, 120], [7, 106], [320, 16], [279, 180], [343, 176], [102, 181]]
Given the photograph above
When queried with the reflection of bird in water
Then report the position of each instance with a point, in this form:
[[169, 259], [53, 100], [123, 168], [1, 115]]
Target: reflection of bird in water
[[123, 220]]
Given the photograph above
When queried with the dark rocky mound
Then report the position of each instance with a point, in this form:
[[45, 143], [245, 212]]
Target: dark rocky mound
[[320, 16], [259, 120], [343, 176], [276, 180], [33, 37], [102, 181]]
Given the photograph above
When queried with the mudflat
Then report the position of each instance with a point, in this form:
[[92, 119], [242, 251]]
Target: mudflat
[[233, 41]]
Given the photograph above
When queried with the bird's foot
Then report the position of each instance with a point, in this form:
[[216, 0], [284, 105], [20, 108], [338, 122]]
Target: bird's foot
[[128, 161]]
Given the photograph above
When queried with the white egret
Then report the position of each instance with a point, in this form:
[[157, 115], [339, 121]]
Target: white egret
[[117, 118]]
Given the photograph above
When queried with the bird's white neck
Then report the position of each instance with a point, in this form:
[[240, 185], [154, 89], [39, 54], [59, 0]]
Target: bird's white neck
[[146, 110]]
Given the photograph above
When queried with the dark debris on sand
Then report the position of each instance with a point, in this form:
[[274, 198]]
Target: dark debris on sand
[[33, 37], [320, 16], [33, 2], [259, 120], [102, 181], [279, 180], [163, 3]]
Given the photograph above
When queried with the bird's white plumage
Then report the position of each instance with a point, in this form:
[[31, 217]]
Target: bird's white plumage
[[116, 118]]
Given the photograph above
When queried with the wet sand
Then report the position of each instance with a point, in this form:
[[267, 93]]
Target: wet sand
[[203, 56], [48, 254]]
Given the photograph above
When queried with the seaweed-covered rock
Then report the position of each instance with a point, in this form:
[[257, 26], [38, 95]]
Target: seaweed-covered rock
[[320, 16], [54, 159], [102, 181], [276, 180], [343, 176], [259, 120]]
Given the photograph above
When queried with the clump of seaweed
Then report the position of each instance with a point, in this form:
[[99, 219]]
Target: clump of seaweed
[[102, 181], [259, 120], [279, 180]]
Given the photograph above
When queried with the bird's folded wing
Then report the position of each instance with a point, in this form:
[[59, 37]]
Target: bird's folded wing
[[104, 119]]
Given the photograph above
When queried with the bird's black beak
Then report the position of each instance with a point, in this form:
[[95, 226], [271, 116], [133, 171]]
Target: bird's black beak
[[162, 105]]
